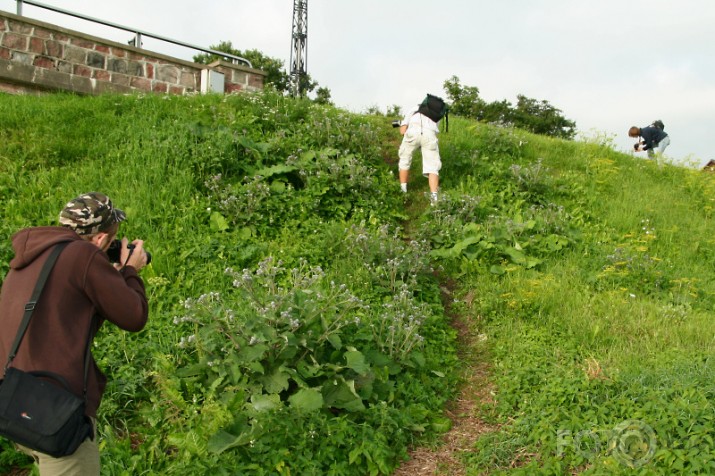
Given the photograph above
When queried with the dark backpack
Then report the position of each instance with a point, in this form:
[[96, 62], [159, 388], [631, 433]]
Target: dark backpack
[[435, 108], [659, 124]]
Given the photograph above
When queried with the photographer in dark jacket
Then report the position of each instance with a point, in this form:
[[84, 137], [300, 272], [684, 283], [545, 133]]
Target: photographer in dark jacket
[[654, 140], [83, 285]]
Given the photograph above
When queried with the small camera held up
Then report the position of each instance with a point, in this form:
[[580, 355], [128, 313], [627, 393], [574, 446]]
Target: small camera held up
[[115, 252], [395, 123], [636, 146]]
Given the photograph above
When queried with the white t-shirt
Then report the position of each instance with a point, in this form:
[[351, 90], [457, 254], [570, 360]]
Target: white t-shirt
[[415, 119]]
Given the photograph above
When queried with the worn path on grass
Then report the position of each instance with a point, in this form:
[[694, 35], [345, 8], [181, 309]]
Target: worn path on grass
[[475, 389]]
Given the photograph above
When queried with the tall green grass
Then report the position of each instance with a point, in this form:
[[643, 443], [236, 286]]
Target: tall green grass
[[588, 271]]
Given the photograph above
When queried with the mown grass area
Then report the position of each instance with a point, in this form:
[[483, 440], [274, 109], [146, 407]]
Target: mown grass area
[[297, 325]]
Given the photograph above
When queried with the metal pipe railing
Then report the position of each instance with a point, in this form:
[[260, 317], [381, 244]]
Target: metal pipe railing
[[137, 41]]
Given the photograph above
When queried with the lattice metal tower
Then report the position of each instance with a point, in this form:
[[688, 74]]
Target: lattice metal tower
[[299, 52]]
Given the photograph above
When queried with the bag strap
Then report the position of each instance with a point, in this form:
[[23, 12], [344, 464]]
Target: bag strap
[[87, 356], [30, 306]]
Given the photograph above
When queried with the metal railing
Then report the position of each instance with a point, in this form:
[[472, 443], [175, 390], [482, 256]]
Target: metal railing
[[138, 34]]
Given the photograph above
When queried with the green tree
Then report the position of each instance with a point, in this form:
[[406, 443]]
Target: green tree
[[276, 75], [541, 117], [498, 112], [322, 96], [394, 111], [465, 100], [373, 110], [532, 115], [307, 84], [390, 111]]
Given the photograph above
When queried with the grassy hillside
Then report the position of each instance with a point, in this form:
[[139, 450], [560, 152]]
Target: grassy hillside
[[293, 330], [298, 320], [590, 274]]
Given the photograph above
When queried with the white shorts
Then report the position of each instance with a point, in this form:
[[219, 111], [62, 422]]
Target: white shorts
[[425, 139], [660, 148]]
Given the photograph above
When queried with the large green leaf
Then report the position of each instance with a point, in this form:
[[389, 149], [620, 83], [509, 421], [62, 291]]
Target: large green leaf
[[307, 399], [191, 370], [252, 353], [263, 403], [341, 394], [222, 441], [242, 433], [515, 255], [267, 172], [217, 222], [335, 341], [276, 381], [356, 361]]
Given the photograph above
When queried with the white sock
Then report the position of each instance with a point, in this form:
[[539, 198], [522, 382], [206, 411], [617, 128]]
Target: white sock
[[403, 186]]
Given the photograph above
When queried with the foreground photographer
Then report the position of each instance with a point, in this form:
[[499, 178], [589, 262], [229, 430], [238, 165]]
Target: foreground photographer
[[83, 290]]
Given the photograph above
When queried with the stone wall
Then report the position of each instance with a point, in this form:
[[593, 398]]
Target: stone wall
[[37, 56]]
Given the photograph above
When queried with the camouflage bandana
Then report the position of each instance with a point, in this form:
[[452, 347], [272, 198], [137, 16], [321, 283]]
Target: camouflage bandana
[[90, 213]]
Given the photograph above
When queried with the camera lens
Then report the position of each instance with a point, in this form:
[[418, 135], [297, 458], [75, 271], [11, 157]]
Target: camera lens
[[114, 252]]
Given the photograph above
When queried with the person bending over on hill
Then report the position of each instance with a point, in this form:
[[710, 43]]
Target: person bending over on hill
[[654, 142], [83, 290], [419, 129]]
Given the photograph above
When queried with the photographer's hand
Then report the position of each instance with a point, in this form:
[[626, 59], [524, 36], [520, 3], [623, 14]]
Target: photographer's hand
[[138, 259], [133, 254]]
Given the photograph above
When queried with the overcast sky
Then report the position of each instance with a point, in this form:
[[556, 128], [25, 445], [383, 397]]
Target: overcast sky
[[606, 64]]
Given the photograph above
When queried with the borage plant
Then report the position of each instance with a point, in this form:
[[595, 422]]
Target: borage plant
[[273, 334], [291, 338]]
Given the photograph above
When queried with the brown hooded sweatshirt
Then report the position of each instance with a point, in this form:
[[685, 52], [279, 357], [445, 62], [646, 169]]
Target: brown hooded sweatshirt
[[82, 284]]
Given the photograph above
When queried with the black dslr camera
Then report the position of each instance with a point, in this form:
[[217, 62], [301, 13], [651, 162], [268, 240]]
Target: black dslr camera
[[395, 123], [115, 251]]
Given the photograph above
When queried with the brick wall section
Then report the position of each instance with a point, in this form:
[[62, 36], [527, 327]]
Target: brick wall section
[[37, 56]]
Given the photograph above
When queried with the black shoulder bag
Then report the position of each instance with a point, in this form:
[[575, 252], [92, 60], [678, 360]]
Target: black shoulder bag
[[35, 412]]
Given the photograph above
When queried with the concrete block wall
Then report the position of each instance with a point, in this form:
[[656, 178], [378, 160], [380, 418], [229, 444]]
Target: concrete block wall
[[37, 56]]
